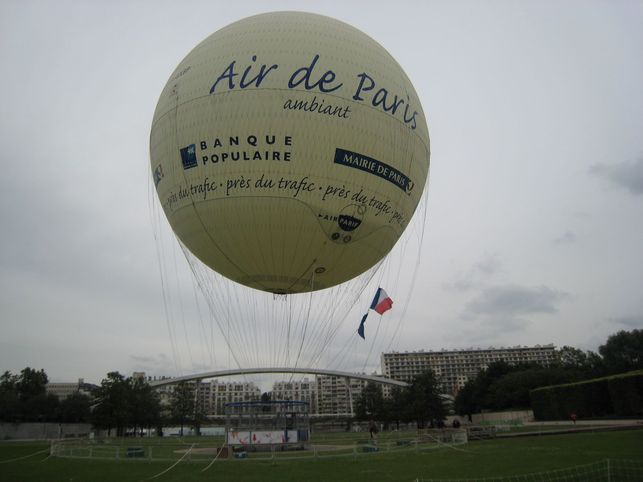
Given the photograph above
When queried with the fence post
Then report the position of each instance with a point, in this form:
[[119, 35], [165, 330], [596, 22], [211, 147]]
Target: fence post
[[609, 474]]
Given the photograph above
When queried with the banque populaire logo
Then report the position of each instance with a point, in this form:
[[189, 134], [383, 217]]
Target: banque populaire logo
[[188, 157]]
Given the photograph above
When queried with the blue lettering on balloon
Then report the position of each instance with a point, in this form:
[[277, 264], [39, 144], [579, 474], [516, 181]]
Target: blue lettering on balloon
[[371, 83], [227, 74], [383, 99], [312, 77], [246, 79], [305, 75], [257, 79]]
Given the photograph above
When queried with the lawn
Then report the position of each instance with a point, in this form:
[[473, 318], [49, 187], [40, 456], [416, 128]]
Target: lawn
[[497, 457]]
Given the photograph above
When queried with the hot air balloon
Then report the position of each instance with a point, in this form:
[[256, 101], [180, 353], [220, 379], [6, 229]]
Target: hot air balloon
[[289, 152]]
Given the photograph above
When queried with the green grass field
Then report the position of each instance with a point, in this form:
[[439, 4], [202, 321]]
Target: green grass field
[[490, 458]]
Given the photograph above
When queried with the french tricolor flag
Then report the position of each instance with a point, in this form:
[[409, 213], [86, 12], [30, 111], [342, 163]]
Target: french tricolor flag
[[381, 303]]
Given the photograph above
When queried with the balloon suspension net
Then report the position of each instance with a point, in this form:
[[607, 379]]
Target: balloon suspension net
[[216, 323]]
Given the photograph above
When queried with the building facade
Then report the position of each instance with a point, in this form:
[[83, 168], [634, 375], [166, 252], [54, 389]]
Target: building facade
[[454, 367], [330, 395], [220, 393], [303, 390], [64, 389], [211, 395], [327, 395], [337, 395]]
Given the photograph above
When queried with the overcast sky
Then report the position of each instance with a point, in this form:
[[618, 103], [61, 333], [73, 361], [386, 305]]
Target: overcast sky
[[534, 224]]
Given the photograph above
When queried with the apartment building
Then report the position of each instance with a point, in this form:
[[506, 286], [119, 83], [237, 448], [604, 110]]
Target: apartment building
[[64, 389], [304, 390], [337, 395], [455, 367], [212, 395], [220, 393]]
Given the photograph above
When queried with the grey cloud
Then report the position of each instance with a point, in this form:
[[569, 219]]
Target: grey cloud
[[145, 359], [627, 175], [200, 368], [152, 365], [493, 326], [163, 365], [633, 321], [488, 265], [513, 300], [566, 238], [476, 275], [488, 331]]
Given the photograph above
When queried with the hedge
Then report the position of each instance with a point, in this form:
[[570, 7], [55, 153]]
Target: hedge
[[620, 395]]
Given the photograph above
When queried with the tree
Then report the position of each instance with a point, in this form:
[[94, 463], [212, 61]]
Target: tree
[[467, 401], [24, 397], [125, 403], [396, 406], [145, 405], [495, 371], [113, 407], [512, 390], [9, 401], [31, 383], [570, 357], [40, 408], [623, 351], [182, 403], [76, 408], [586, 364], [474, 396], [424, 401], [370, 404], [35, 404]]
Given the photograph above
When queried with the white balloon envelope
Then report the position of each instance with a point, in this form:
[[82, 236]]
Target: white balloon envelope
[[289, 152]]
